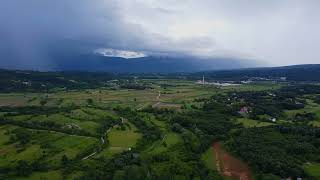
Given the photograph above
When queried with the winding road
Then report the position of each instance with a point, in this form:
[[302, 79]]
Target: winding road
[[103, 139]]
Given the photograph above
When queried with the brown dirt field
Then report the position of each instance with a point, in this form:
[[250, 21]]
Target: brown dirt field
[[230, 166], [3, 151], [12, 102], [167, 105]]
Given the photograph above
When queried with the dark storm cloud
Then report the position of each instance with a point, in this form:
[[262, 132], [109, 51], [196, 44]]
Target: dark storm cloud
[[29, 27], [277, 31]]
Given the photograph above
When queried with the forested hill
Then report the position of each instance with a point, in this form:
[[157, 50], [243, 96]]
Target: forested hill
[[16, 80], [309, 72]]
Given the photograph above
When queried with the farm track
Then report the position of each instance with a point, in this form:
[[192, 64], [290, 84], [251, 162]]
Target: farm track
[[155, 104]]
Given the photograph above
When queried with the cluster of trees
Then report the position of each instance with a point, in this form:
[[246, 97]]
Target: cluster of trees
[[279, 150], [46, 125], [150, 132], [33, 81], [316, 99], [22, 138], [11, 112], [20, 135], [295, 90], [197, 130], [272, 103], [304, 117], [180, 161]]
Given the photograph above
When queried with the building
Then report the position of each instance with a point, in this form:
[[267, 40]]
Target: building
[[244, 110]]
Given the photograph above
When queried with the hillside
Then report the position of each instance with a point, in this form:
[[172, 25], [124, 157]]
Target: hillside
[[309, 72]]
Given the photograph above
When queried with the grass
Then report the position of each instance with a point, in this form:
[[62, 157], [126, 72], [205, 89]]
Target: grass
[[208, 158], [310, 107], [263, 86], [253, 123], [13, 99], [313, 169], [154, 121], [4, 137], [178, 92], [126, 138], [51, 175], [121, 140], [89, 118], [56, 145], [170, 139], [85, 124], [315, 123], [158, 123]]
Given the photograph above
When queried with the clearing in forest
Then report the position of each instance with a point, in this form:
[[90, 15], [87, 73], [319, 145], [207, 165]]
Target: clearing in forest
[[230, 166]]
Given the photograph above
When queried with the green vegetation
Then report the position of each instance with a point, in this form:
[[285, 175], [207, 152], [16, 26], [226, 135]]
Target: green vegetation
[[169, 139], [122, 138], [312, 169], [209, 159], [248, 123], [105, 126]]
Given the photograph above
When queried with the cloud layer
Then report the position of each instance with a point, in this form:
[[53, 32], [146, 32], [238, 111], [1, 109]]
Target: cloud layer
[[279, 32]]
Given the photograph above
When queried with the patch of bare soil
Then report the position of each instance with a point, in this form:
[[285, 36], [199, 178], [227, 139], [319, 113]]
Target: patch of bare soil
[[230, 166]]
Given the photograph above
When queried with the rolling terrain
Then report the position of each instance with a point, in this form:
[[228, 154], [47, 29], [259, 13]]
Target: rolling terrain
[[109, 126]]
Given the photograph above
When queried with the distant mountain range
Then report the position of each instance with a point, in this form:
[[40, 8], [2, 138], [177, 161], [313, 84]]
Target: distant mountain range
[[305, 72], [18, 80], [149, 64], [77, 56], [80, 56]]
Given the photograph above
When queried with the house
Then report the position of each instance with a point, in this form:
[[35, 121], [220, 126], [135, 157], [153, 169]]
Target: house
[[273, 119], [244, 110]]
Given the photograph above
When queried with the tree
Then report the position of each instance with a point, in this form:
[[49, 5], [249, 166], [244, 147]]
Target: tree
[[43, 102], [64, 160], [119, 175], [23, 168], [89, 101], [135, 172]]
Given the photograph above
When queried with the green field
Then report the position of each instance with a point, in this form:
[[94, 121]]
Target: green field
[[121, 140], [52, 175], [252, 123], [49, 146], [170, 139], [310, 107], [313, 169], [209, 159], [67, 128]]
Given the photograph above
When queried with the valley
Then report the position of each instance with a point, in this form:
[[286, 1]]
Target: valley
[[161, 128]]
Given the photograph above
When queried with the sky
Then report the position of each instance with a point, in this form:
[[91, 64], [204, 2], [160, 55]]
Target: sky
[[276, 32]]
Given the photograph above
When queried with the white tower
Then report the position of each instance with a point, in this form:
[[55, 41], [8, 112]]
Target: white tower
[[203, 80]]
